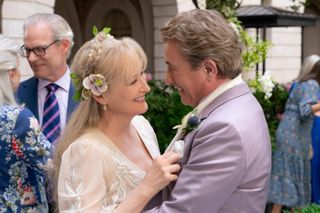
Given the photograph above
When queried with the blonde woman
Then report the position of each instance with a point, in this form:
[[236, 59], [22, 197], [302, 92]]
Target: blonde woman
[[108, 158], [24, 150]]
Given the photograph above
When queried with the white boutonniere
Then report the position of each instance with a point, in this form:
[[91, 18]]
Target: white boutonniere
[[189, 122]]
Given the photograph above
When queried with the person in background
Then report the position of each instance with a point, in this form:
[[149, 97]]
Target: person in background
[[290, 179], [315, 161], [108, 158], [48, 40], [24, 150], [227, 151]]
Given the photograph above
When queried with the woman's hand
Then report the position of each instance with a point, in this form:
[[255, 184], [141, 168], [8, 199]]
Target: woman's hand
[[163, 170], [316, 108]]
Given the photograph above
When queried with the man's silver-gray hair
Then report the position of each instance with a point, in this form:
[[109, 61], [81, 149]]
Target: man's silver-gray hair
[[60, 27]]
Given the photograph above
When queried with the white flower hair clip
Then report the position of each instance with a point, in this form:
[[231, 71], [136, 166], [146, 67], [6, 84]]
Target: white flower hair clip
[[94, 84]]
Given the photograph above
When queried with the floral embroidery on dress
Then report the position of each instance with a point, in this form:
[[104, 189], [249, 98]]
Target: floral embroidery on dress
[[28, 197], [123, 176], [16, 147], [117, 175], [74, 188]]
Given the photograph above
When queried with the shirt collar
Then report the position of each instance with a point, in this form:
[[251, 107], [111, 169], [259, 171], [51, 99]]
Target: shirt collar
[[218, 91], [63, 82]]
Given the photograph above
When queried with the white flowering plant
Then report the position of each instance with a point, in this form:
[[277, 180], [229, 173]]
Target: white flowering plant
[[262, 84]]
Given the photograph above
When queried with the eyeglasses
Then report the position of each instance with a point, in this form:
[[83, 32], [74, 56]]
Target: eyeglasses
[[38, 51]]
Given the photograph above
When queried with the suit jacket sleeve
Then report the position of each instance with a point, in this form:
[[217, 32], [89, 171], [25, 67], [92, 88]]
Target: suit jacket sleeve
[[211, 173]]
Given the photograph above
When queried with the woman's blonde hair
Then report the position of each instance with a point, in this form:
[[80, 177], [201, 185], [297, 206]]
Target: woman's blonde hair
[[112, 58], [9, 52]]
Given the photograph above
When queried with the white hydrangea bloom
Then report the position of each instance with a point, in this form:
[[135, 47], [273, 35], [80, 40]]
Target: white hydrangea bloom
[[267, 84]]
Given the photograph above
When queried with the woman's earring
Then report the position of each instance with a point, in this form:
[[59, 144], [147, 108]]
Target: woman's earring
[[105, 107]]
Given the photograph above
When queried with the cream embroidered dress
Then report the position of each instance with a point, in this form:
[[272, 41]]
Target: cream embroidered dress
[[95, 176]]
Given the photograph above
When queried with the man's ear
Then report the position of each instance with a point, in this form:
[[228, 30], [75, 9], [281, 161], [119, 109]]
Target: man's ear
[[211, 69], [65, 44]]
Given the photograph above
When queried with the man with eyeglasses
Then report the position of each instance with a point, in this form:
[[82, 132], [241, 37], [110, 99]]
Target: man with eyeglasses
[[48, 40]]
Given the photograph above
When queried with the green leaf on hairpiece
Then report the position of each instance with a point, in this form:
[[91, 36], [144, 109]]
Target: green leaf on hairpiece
[[76, 79], [73, 75], [95, 30], [106, 30], [77, 95], [76, 82]]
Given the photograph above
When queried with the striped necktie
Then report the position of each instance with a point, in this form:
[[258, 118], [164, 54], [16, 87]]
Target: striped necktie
[[51, 115]]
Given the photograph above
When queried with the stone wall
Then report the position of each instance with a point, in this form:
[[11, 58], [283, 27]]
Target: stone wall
[[13, 14], [284, 58], [163, 10]]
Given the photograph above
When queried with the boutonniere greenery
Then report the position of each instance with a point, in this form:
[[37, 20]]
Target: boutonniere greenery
[[189, 122]]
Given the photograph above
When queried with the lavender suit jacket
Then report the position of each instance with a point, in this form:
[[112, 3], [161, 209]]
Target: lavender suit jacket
[[227, 160]]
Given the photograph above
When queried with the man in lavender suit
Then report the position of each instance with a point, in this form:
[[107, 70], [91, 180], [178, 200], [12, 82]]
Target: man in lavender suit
[[227, 157]]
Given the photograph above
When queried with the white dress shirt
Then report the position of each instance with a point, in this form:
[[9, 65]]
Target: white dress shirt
[[62, 95]]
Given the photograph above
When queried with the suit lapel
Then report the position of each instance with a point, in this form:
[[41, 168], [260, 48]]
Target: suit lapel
[[30, 93], [228, 95]]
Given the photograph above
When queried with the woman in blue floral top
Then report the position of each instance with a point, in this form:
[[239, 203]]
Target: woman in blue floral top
[[290, 178], [24, 151]]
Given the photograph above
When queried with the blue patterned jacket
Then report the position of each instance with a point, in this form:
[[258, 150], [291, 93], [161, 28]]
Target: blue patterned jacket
[[24, 152]]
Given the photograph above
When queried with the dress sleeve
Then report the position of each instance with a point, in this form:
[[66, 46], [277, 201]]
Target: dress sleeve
[[82, 186], [308, 95], [29, 143]]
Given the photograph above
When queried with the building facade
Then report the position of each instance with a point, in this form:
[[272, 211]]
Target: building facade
[[141, 19]]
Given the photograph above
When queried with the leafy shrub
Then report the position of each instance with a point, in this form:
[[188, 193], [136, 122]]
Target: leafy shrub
[[165, 111], [312, 208]]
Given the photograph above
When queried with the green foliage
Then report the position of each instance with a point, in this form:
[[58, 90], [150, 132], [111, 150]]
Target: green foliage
[[225, 7], [254, 52], [312, 208], [95, 30], [297, 4], [76, 82], [165, 111]]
